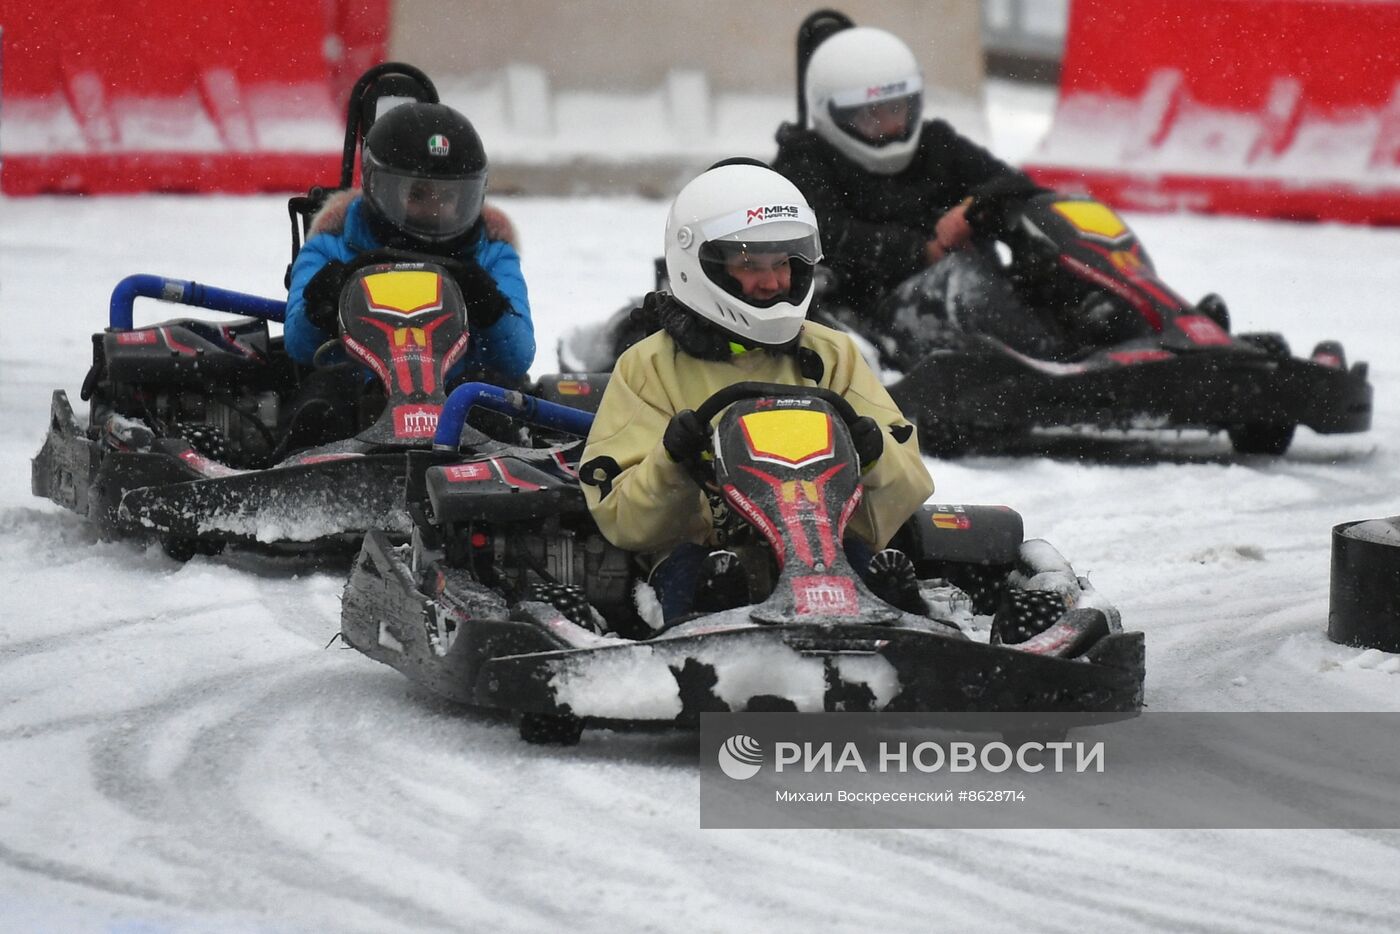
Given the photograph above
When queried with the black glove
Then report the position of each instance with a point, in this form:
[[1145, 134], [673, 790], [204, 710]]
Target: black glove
[[685, 437], [869, 441], [484, 302], [322, 295]]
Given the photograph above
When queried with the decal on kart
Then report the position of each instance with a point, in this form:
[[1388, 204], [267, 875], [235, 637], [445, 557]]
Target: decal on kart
[[416, 421], [511, 480], [203, 465], [951, 517], [1128, 357], [790, 438], [760, 521], [1126, 261], [403, 292], [408, 346], [573, 387], [1203, 331], [367, 357], [825, 595], [467, 473], [136, 337], [175, 345], [1092, 219], [323, 458], [849, 510], [800, 512]]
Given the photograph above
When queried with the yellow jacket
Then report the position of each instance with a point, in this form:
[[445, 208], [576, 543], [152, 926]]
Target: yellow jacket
[[645, 502]]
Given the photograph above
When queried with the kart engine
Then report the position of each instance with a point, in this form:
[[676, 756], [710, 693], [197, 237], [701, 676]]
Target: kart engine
[[584, 560], [238, 429]]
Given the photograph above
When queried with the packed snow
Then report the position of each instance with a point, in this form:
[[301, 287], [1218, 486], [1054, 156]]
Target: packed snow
[[180, 750]]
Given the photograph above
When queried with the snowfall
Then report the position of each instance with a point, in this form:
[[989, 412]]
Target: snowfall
[[183, 749]]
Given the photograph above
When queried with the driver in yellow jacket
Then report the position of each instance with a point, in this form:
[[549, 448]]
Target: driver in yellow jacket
[[741, 243]]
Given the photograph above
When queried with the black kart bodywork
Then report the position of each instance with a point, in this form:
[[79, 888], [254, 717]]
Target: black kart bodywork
[[508, 598]]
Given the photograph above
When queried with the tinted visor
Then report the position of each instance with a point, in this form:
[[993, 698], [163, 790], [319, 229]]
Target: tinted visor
[[427, 208], [880, 123], [762, 273]]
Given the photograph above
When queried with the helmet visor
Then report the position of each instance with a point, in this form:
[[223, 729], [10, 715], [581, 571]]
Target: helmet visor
[[432, 209], [761, 272], [879, 115]]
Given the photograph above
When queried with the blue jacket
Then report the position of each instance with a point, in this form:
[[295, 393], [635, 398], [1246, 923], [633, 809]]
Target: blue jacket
[[505, 349]]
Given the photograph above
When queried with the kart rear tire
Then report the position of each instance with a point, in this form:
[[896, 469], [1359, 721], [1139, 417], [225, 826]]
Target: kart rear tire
[[1330, 354], [1272, 440], [547, 729], [183, 549], [1214, 308], [1271, 342], [943, 440]]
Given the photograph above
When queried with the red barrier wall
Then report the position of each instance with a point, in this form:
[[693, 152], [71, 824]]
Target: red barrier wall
[[1281, 108], [171, 95]]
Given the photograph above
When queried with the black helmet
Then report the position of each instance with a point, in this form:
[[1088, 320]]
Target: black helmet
[[424, 174]]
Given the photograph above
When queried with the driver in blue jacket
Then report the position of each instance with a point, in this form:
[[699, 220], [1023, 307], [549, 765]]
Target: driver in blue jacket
[[424, 175]]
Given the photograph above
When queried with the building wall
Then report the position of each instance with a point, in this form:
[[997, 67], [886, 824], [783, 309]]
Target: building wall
[[630, 45]]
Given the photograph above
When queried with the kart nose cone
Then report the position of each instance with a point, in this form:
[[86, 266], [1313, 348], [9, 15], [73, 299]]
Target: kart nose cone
[[1365, 607]]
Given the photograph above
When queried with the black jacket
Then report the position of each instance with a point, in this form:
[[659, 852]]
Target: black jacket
[[874, 227]]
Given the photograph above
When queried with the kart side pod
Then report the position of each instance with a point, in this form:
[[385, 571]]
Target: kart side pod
[[1365, 600]]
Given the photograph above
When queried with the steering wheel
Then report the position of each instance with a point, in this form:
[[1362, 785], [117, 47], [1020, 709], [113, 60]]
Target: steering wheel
[[375, 257], [702, 471]]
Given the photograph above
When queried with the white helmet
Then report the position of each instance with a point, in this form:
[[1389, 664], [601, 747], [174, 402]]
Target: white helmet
[[851, 74], [740, 219]]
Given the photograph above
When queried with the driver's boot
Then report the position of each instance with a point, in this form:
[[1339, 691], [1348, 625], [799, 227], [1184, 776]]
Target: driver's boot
[[723, 583]]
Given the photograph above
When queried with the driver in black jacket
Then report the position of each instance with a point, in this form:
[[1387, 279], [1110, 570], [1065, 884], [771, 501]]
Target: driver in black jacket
[[908, 209]]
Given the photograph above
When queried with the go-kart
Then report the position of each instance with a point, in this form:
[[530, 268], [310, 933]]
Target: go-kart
[[1152, 361], [507, 597], [197, 432], [193, 435]]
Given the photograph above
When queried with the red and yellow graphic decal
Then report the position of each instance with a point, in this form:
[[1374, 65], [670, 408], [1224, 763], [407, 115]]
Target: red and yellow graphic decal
[[406, 347], [1129, 263], [804, 488], [788, 436], [801, 509], [1092, 219], [952, 520], [403, 291], [574, 387]]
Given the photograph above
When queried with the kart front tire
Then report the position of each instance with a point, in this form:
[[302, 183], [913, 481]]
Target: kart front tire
[[547, 729], [1330, 354], [1271, 342], [1267, 439], [182, 549]]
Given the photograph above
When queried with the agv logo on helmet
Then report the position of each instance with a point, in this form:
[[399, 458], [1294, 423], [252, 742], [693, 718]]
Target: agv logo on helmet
[[438, 145]]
